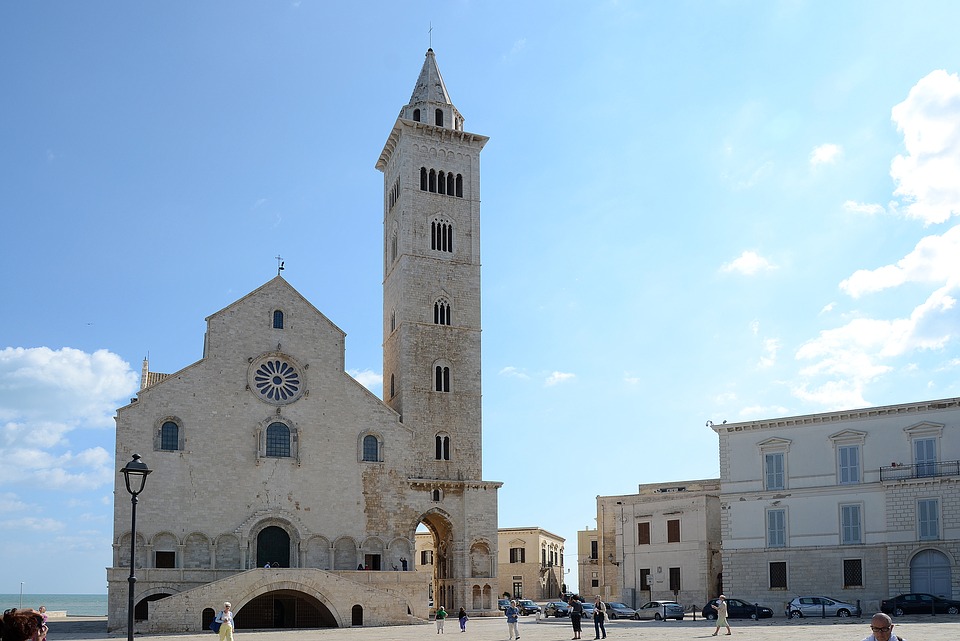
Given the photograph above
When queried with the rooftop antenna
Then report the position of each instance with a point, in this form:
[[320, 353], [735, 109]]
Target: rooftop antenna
[[279, 264]]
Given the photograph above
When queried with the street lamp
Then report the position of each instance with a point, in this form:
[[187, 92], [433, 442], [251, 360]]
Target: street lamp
[[135, 476]]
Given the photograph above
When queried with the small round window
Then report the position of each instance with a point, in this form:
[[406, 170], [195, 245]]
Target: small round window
[[276, 380]]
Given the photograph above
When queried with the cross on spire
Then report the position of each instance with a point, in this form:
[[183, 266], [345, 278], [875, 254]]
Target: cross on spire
[[279, 264]]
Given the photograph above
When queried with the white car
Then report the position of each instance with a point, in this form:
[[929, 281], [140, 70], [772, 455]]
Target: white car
[[817, 606], [659, 610]]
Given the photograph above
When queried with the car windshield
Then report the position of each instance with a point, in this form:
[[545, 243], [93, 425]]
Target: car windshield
[[617, 605]]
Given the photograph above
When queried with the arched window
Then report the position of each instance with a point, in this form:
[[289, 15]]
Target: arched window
[[441, 183], [277, 319], [371, 448], [451, 181], [443, 447], [441, 312], [416, 115], [442, 379], [393, 387], [423, 179], [436, 495], [170, 436], [394, 247], [439, 117], [459, 185], [441, 236], [278, 440], [433, 181]]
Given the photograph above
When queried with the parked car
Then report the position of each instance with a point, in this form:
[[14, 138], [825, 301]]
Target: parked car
[[588, 609], [737, 609], [660, 610], [502, 604], [616, 610], [527, 606], [556, 609], [919, 603], [815, 606]]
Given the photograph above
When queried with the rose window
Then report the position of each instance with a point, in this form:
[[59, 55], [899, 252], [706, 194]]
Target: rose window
[[277, 381]]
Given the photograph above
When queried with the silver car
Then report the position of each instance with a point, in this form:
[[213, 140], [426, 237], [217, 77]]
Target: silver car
[[815, 606], [660, 610]]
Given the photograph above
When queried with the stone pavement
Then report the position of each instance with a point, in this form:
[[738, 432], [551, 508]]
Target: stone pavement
[[911, 628]]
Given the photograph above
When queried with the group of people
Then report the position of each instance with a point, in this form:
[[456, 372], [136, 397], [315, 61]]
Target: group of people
[[442, 616], [512, 613]]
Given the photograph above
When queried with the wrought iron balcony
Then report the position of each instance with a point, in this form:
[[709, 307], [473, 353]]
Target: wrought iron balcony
[[900, 472]]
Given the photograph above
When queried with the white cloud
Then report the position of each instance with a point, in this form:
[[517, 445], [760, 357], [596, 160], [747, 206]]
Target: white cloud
[[32, 523], [828, 308], [368, 378], [65, 386], [927, 176], [748, 263], [770, 348], [762, 411], [935, 259], [870, 209], [726, 397], [849, 357], [513, 372], [46, 394], [825, 154], [558, 377]]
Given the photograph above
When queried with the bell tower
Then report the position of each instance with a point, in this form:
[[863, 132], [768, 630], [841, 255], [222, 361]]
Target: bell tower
[[431, 334], [431, 279]]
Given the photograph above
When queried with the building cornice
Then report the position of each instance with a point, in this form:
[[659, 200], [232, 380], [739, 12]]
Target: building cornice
[[840, 416]]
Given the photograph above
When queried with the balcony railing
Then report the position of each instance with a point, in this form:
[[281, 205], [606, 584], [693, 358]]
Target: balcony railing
[[920, 471]]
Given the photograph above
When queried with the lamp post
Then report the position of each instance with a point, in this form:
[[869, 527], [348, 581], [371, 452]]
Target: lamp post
[[135, 476]]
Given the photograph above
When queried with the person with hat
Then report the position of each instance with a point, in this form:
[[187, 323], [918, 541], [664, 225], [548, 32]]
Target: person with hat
[[721, 608]]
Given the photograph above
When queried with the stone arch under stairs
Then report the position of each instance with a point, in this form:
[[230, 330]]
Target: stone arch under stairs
[[387, 598]]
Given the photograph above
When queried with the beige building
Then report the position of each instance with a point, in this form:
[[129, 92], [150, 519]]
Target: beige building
[[265, 451], [857, 505], [662, 543], [530, 562]]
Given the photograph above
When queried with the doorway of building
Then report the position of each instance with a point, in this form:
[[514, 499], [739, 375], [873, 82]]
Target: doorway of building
[[930, 573], [273, 547]]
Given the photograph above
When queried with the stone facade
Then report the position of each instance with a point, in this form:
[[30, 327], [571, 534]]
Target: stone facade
[[662, 543], [857, 505], [267, 451], [530, 562]]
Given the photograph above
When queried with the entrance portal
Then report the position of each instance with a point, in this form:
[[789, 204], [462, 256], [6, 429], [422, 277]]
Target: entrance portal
[[284, 609], [273, 547]]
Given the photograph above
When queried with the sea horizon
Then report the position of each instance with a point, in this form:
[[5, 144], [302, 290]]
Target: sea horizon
[[90, 605]]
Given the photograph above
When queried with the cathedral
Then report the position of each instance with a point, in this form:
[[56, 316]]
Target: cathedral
[[281, 484]]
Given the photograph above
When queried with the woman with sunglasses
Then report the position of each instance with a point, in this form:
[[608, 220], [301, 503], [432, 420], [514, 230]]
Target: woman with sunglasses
[[225, 619]]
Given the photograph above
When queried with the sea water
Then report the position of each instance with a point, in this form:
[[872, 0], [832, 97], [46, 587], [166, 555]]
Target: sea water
[[89, 605]]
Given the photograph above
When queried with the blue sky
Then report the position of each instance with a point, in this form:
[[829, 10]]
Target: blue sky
[[691, 211]]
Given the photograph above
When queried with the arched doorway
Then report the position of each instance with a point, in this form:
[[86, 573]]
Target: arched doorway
[[930, 573], [284, 609], [438, 561], [273, 547]]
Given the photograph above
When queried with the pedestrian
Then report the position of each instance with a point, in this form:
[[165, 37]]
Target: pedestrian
[[576, 614], [403, 563], [721, 608], [441, 615], [513, 616], [225, 619], [599, 614], [462, 616], [881, 627], [23, 625]]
